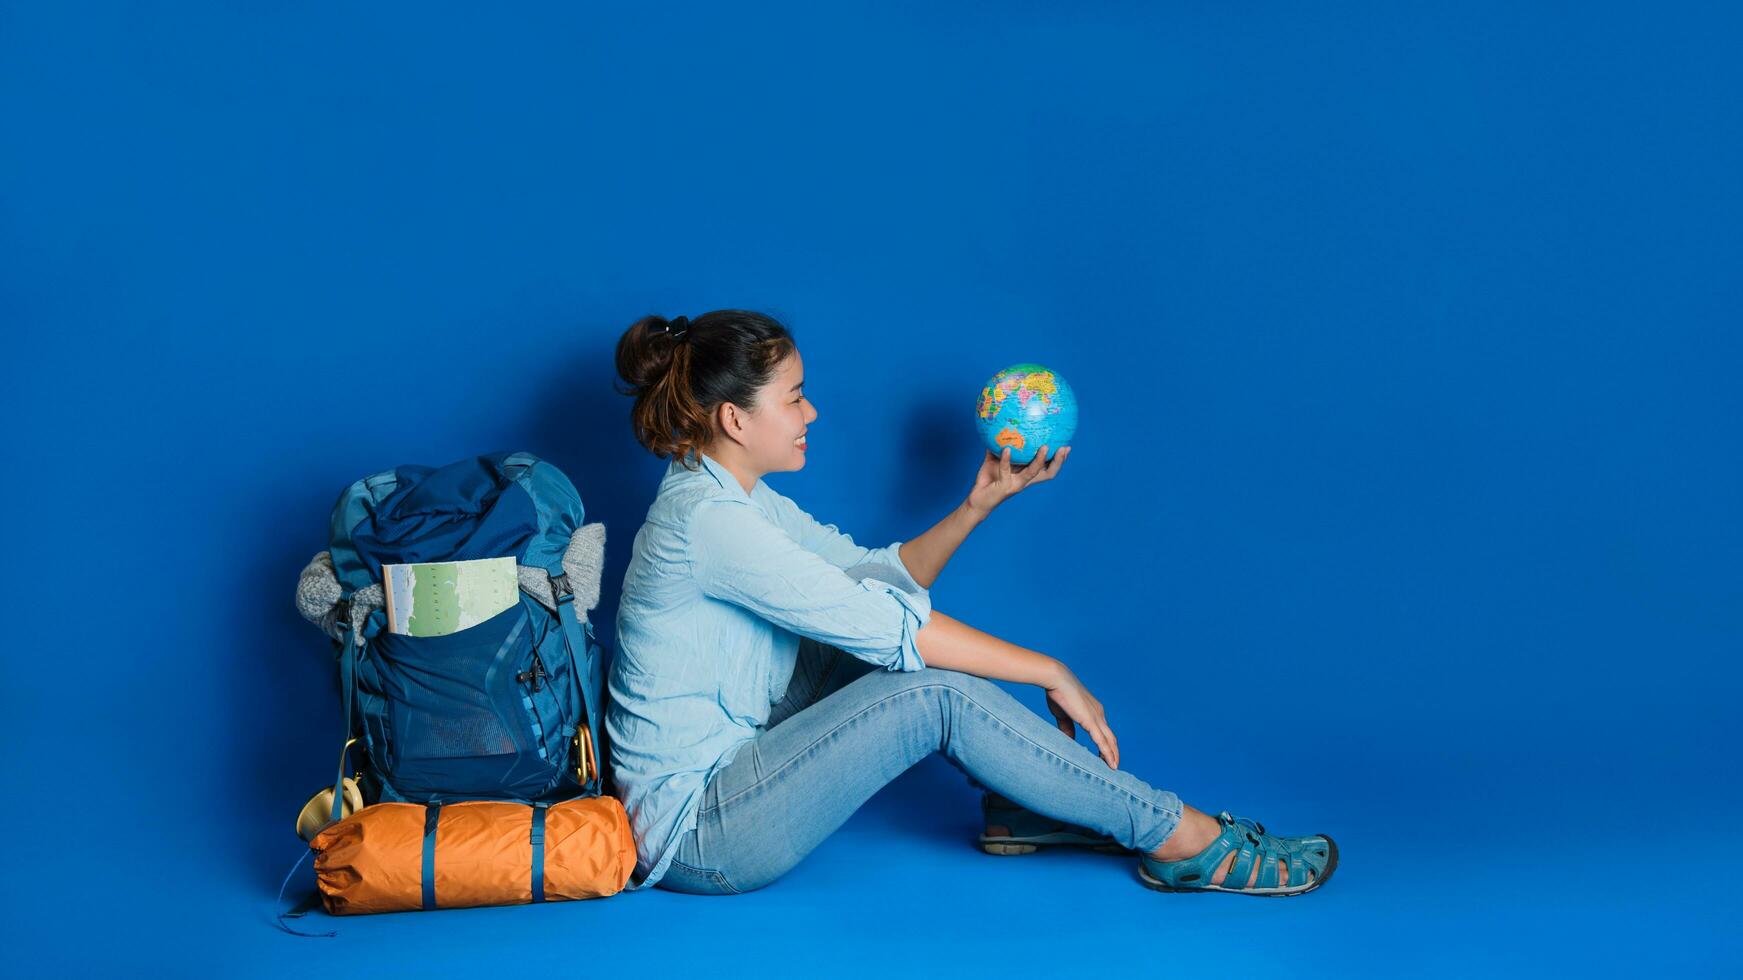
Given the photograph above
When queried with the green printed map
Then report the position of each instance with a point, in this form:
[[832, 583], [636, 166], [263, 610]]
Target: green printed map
[[438, 598]]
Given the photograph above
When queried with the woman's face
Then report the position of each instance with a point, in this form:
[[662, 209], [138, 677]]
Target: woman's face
[[783, 414], [773, 433]]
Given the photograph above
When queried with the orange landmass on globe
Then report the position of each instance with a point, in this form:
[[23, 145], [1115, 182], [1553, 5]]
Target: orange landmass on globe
[[1009, 437], [1041, 383], [1024, 386]]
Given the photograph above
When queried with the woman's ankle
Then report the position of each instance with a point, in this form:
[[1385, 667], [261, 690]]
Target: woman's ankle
[[1191, 835]]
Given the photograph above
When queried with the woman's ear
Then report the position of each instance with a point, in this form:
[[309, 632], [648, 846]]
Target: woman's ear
[[731, 419]]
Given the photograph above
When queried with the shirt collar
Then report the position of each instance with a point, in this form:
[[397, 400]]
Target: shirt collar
[[721, 475]]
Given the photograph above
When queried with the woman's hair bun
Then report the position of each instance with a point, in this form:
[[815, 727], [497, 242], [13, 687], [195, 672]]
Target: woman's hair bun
[[646, 351], [680, 371]]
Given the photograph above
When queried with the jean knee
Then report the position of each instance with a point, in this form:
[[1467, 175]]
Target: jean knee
[[934, 677], [959, 680], [943, 682]]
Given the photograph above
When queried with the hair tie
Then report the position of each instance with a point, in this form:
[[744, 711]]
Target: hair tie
[[678, 327]]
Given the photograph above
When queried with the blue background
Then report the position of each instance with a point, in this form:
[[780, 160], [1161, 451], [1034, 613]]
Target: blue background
[[1404, 503]]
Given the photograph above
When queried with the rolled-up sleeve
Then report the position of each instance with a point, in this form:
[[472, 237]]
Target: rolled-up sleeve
[[739, 556]]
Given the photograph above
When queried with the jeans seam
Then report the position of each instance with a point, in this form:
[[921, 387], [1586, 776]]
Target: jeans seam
[[709, 873], [970, 699], [828, 672]]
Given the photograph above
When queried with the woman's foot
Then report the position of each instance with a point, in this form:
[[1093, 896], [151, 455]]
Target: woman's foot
[[1202, 846]]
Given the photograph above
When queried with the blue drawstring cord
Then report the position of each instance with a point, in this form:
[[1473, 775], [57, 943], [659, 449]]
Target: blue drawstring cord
[[297, 912]]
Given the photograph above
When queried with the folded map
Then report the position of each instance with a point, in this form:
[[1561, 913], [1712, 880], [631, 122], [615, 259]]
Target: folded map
[[441, 597]]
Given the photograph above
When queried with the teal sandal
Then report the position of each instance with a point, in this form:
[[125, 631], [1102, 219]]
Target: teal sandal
[[1310, 862], [1026, 830]]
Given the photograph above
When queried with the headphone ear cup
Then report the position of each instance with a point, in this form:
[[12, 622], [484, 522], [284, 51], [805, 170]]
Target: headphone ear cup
[[315, 813]]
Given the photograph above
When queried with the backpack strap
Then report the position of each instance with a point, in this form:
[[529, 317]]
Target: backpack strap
[[576, 642], [348, 684], [432, 817], [538, 837]]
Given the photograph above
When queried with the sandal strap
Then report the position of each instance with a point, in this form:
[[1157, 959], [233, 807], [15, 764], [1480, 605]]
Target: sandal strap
[[1198, 870], [1205, 862], [1269, 853], [1264, 850], [1298, 868], [1243, 867]]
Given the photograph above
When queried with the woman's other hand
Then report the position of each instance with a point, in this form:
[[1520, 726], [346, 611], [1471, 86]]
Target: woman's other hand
[[997, 480], [1072, 705]]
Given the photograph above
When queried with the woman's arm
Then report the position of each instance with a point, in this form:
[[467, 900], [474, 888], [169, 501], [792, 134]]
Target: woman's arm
[[955, 645], [738, 555], [996, 482], [948, 642], [927, 554]]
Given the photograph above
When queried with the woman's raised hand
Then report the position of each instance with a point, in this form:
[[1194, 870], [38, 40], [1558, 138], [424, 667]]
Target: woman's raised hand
[[1072, 703], [997, 480]]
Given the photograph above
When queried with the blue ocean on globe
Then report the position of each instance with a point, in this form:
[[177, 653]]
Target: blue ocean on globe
[[1025, 407]]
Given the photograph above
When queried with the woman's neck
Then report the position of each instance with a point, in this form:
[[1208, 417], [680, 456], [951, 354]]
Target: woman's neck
[[731, 456]]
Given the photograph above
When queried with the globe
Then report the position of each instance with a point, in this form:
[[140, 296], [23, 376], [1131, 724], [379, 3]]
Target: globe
[[1026, 406]]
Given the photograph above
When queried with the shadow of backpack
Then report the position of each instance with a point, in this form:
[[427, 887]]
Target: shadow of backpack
[[506, 709]]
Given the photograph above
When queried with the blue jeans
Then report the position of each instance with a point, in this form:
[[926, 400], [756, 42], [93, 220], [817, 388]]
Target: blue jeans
[[846, 728]]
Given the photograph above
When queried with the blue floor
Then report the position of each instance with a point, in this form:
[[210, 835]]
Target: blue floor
[[1432, 883]]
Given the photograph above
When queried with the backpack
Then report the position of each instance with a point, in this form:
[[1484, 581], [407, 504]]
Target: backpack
[[505, 709]]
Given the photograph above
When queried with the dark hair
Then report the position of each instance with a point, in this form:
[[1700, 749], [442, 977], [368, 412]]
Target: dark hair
[[680, 376]]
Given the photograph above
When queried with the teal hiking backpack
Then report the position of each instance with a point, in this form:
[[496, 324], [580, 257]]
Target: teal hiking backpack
[[506, 709]]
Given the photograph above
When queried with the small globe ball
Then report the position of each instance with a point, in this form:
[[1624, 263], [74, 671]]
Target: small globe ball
[[1026, 406]]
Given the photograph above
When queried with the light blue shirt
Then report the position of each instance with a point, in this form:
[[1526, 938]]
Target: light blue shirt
[[720, 587]]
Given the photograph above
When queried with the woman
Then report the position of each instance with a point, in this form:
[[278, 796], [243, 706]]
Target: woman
[[749, 717]]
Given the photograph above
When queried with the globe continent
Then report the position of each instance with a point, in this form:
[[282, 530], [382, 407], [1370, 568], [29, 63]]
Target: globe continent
[[1026, 406]]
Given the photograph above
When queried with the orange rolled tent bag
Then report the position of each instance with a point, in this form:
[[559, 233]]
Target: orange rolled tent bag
[[395, 857]]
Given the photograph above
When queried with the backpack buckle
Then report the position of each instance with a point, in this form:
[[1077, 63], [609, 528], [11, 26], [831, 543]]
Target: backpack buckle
[[342, 614], [560, 591]]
